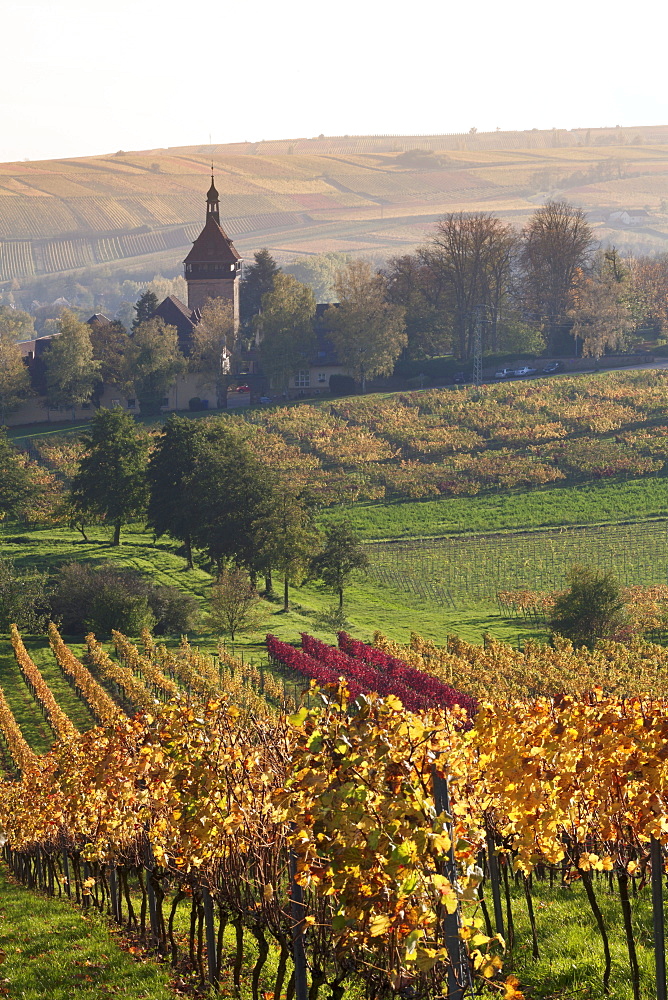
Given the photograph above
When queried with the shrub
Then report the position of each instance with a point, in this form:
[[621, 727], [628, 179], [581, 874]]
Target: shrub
[[114, 606], [342, 385], [235, 604], [103, 598], [591, 609], [23, 600], [174, 610]]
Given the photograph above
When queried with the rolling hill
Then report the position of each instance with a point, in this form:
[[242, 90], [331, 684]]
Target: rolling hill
[[376, 195]]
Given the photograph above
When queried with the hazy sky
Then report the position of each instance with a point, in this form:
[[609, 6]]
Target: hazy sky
[[80, 77]]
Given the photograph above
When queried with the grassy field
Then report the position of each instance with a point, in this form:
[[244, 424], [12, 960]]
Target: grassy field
[[463, 570], [553, 506], [570, 962], [53, 951], [378, 602]]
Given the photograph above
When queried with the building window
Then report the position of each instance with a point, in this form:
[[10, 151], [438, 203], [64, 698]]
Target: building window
[[165, 401], [85, 406], [303, 380], [322, 378], [131, 404]]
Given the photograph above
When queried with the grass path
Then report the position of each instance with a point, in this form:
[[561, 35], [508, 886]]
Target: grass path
[[53, 951], [35, 729], [76, 709]]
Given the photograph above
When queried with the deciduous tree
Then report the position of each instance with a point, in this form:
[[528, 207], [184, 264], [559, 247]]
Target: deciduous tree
[[368, 331], [601, 314], [557, 243], [14, 376], [470, 255], [424, 293], [230, 487], [235, 604], [343, 555], [286, 535], [172, 506], [286, 329], [591, 608], [213, 343], [17, 486], [110, 342], [71, 370], [16, 324], [152, 360], [111, 478]]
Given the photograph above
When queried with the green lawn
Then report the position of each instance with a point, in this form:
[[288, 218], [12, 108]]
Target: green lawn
[[590, 503], [570, 962], [53, 951], [35, 729]]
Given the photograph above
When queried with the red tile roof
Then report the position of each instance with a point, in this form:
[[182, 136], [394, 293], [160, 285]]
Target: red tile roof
[[213, 245]]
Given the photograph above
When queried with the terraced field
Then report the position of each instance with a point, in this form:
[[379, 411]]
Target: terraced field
[[371, 193]]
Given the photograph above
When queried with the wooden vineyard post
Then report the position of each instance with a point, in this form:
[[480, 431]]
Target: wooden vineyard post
[[85, 890], [656, 854], [495, 880], [113, 889], [66, 872], [149, 864], [211, 948], [458, 968], [297, 912]]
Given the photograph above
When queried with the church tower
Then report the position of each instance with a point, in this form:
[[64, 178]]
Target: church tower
[[213, 266]]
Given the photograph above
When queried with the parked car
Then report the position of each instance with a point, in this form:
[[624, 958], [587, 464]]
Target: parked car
[[505, 373], [266, 399], [526, 371], [554, 366], [460, 377], [243, 388]]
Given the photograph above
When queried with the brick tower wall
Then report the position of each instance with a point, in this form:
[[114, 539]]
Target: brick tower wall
[[199, 290]]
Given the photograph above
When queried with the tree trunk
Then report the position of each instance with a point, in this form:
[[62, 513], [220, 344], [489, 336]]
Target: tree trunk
[[286, 588], [188, 545], [268, 582], [117, 532], [340, 598]]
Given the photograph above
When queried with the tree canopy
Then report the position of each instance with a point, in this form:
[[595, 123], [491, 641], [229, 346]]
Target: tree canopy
[[556, 242], [144, 308], [173, 502], [591, 608], [16, 324], [286, 536], [286, 328], [71, 370], [368, 331], [342, 556], [152, 359], [257, 281], [213, 342], [14, 375], [17, 486], [230, 492], [470, 256], [111, 478]]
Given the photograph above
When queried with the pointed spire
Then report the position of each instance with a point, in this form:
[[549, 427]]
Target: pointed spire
[[212, 201]]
